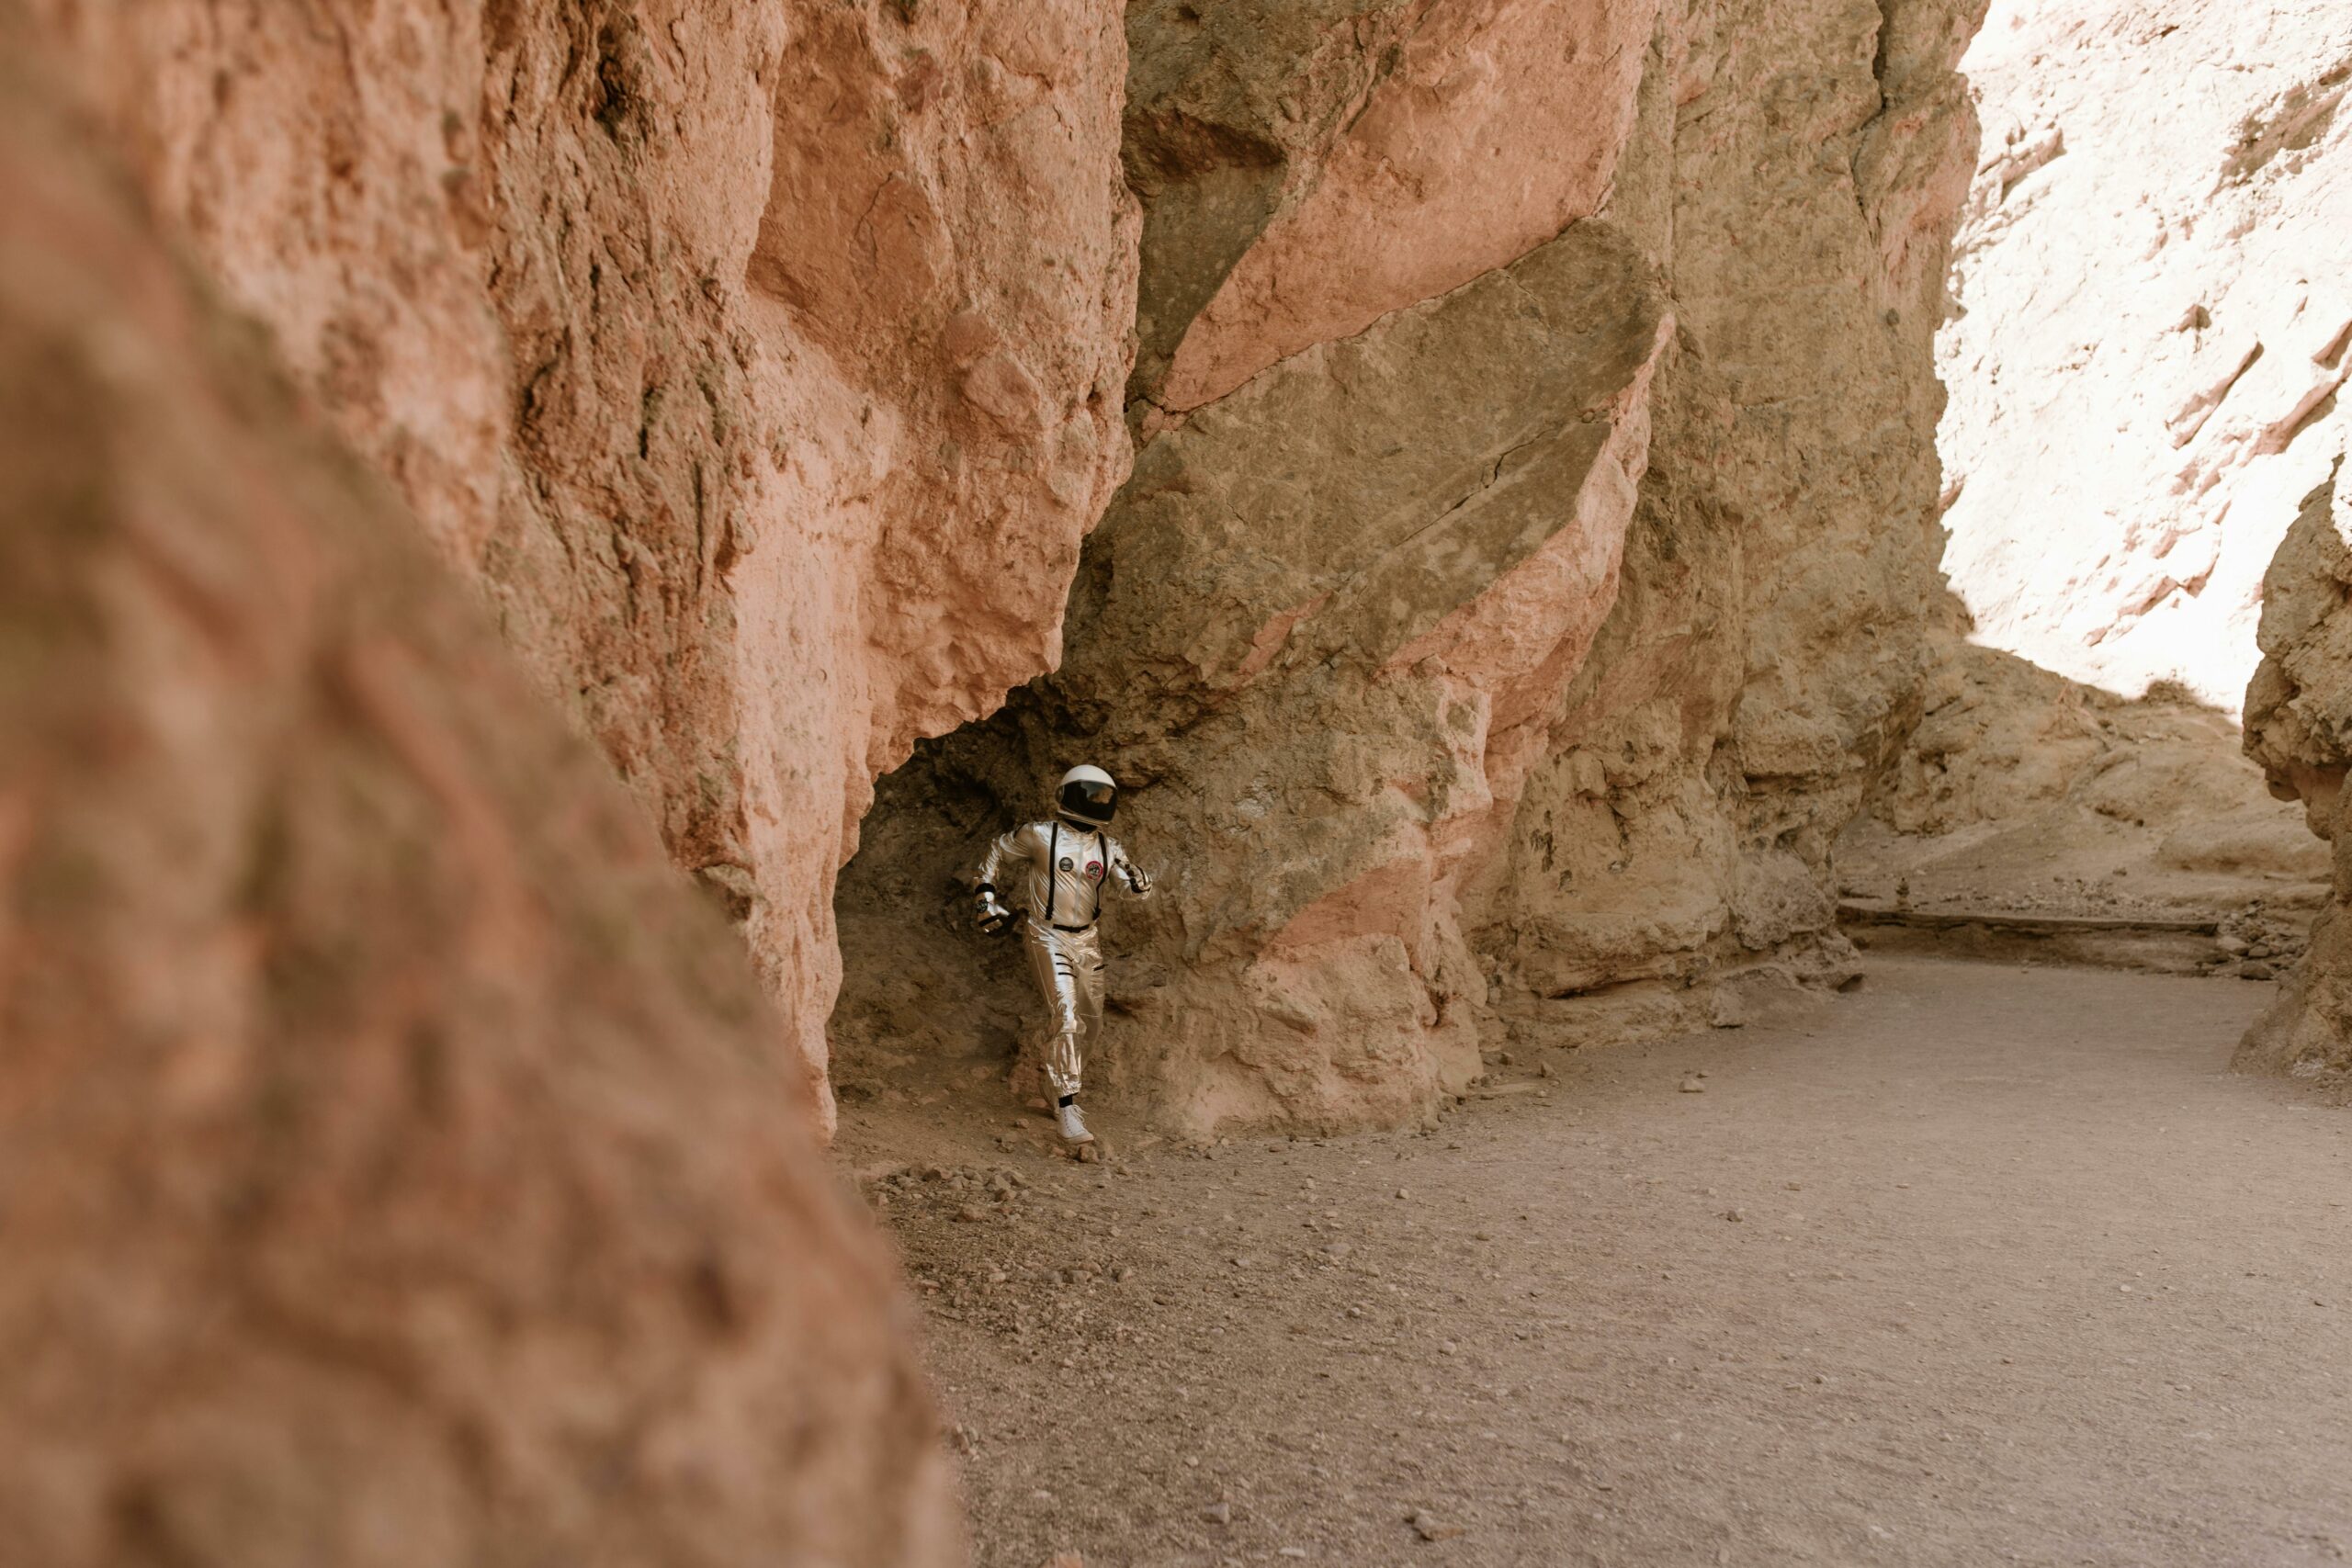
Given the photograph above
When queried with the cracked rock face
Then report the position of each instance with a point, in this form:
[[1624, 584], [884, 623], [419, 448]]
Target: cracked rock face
[[1490, 613], [1764, 657], [401, 1167], [2299, 726], [2152, 329], [762, 365]]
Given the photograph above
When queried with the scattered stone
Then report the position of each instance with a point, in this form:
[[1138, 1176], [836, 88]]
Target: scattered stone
[[1293, 1552], [2255, 972], [1427, 1527], [970, 1216], [1692, 1086], [1218, 1513], [1736, 1216]]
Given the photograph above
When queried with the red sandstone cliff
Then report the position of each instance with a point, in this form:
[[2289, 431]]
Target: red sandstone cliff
[[760, 364]]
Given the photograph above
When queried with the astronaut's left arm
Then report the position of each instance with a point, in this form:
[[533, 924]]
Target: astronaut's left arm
[[1137, 880]]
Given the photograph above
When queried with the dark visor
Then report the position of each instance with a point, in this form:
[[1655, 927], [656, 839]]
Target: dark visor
[[1090, 799]]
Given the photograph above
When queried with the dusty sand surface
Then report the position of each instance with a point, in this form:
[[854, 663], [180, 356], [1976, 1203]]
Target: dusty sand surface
[[1979, 1264]]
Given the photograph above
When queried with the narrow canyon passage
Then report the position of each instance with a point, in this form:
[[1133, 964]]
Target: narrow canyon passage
[[1978, 1264]]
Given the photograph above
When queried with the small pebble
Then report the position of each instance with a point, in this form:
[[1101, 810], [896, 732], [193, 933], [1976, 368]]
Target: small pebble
[[1218, 1513], [1426, 1526], [1692, 1086]]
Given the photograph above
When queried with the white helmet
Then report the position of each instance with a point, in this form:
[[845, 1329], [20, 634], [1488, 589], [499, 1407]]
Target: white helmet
[[1087, 796]]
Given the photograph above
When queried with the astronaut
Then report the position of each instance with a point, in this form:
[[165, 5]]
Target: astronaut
[[1052, 873]]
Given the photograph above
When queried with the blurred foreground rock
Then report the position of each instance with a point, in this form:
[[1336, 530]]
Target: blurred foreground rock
[[398, 1165]]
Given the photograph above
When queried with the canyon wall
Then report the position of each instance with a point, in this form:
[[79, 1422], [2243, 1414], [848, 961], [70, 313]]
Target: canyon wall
[[762, 365], [1524, 567], [2295, 154], [400, 1166], [1673, 853], [2151, 329], [2298, 728], [2150, 334]]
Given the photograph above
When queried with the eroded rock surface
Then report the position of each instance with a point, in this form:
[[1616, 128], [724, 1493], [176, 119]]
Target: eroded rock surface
[[2153, 330], [1764, 661], [2023, 792], [763, 364], [401, 1164], [2298, 728], [1339, 631]]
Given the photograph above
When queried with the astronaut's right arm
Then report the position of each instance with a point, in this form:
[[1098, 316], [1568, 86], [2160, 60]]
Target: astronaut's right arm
[[1003, 863]]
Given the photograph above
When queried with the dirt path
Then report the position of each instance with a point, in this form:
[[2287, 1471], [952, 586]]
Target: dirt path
[[1981, 1264]]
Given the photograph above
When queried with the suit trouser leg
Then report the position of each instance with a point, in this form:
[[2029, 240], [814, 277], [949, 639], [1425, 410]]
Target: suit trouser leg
[[1068, 968]]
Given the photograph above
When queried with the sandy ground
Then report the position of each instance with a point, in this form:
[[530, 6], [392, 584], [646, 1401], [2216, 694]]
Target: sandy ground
[[1978, 1265]]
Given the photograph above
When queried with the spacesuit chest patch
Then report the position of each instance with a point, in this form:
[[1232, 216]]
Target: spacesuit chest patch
[[1094, 869], [1066, 862]]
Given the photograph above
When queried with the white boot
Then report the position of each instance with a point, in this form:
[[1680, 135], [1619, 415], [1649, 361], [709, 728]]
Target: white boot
[[1073, 1126]]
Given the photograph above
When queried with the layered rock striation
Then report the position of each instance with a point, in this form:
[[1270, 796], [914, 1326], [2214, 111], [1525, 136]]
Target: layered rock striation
[[2151, 329], [400, 1166], [1524, 570], [762, 365]]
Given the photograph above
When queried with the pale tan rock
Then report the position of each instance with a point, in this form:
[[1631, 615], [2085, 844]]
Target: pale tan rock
[[2298, 728], [647, 310], [1764, 657], [400, 1166], [2024, 790], [2150, 331]]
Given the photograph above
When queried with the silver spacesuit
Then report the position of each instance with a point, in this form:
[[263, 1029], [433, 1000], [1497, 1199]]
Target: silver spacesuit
[[1050, 875]]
